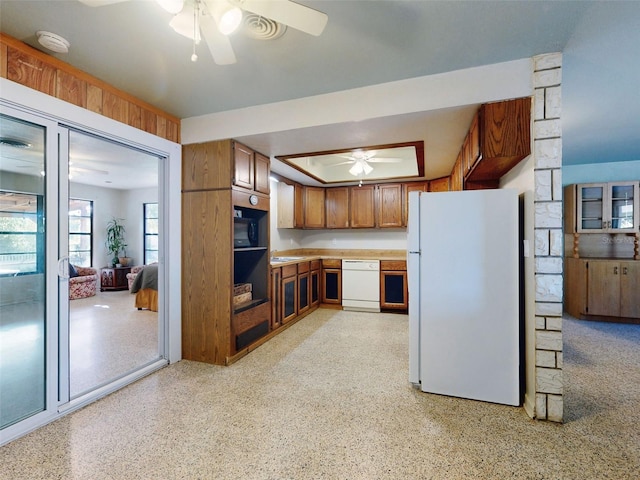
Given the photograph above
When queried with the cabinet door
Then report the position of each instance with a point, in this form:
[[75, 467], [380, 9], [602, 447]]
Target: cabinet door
[[362, 206], [411, 187], [303, 293], [298, 206], [474, 143], [276, 298], [243, 166], [603, 293], [337, 207], [440, 184], [622, 207], [590, 207], [314, 287], [332, 285], [393, 290], [289, 296], [629, 288], [314, 207], [390, 205], [262, 171], [286, 205], [456, 174]]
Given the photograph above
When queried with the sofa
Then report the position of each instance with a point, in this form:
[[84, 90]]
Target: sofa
[[131, 276], [83, 282]]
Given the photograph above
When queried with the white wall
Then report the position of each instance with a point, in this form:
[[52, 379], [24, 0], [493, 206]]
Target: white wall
[[598, 172]]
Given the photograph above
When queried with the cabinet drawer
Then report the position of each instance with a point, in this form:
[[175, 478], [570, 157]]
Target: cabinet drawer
[[331, 263], [391, 265], [289, 271], [303, 267], [250, 318]]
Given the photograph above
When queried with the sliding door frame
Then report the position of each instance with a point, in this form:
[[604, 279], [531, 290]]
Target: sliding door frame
[[52, 113]]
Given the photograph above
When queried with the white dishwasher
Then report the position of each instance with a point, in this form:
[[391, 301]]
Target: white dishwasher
[[361, 285]]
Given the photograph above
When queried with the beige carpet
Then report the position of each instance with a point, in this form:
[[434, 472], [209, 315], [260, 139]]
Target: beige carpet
[[329, 398]]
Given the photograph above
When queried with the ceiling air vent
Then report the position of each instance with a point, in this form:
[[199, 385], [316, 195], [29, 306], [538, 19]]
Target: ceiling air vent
[[262, 28]]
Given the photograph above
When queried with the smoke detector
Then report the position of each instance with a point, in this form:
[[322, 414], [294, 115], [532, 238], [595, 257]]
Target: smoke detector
[[53, 42]]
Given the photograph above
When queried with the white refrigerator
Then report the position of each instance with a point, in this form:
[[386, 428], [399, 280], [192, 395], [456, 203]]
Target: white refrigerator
[[464, 307]]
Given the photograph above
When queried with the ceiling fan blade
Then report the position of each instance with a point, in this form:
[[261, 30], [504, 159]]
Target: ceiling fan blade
[[288, 13], [341, 163], [384, 160], [219, 44], [100, 3]]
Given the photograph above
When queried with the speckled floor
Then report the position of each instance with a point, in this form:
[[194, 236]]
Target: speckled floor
[[329, 398]]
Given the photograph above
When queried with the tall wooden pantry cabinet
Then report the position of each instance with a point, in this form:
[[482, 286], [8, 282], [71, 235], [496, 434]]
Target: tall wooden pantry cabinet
[[225, 287]]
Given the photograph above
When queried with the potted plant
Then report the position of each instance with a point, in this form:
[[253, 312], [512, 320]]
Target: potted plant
[[115, 240]]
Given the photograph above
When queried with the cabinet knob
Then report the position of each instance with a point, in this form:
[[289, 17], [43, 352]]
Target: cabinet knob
[[624, 270], [615, 270]]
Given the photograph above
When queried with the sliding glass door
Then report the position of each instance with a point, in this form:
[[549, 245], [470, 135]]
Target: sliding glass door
[[24, 210]]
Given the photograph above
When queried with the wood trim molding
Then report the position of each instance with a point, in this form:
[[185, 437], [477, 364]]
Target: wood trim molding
[[79, 88]]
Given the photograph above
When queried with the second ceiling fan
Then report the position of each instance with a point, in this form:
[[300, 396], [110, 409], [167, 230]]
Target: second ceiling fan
[[214, 20]]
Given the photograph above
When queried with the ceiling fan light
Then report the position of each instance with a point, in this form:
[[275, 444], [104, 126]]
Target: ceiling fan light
[[171, 6], [229, 20], [367, 168], [356, 169]]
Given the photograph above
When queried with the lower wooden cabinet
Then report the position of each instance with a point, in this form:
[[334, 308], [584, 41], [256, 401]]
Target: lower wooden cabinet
[[276, 298], [289, 293], [332, 282], [393, 285], [602, 288], [314, 283]]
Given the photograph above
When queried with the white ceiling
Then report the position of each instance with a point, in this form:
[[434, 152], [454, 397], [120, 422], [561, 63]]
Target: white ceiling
[[366, 43]]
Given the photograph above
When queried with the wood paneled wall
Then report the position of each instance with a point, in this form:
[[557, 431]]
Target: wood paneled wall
[[32, 68]]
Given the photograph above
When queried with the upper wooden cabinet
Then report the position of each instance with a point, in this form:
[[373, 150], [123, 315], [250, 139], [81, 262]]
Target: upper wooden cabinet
[[504, 133], [602, 207], [262, 171], [207, 166], [456, 174], [314, 207], [298, 207], [337, 207], [442, 184], [390, 205], [362, 206], [243, 166], [286, 205], [251, 169], [407, 188]]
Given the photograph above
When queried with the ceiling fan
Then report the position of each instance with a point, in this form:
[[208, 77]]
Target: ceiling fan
[[214, 20], [361, 161]]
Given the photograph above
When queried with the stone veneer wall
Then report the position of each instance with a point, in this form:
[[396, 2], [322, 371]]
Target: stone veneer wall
[[547, 137]]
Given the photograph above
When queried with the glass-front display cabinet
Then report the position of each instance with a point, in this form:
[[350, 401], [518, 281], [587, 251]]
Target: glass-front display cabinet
[[607, 207]]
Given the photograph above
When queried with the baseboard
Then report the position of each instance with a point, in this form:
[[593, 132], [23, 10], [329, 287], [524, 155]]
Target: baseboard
[[530, 406]]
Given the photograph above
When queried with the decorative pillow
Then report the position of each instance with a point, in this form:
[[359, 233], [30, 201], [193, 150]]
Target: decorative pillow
[[72, 271]]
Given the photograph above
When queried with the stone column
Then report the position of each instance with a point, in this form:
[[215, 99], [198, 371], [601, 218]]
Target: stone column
[[547, 139]]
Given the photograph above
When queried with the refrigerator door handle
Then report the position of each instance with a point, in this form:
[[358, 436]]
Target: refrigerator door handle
[[414, 252]]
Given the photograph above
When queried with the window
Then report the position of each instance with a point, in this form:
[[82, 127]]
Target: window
[[150, 233], [21, 233], [80, 232]]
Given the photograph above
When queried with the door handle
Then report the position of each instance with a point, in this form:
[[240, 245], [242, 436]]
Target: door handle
[[63, 268]]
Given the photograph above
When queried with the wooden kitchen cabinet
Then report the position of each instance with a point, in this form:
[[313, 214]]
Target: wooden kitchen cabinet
[[304, 300], [442, 184], [457, 174], [314, 214], [262, 170], [298, 217], [314, 283], [214, 328], [390, 205], [602, 288], [394, 291], [362, 206], [407, 188], [276, 297], [504, 131], [337, 207], [332, 281], [251, 169], [289, 293], [243, 166]]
